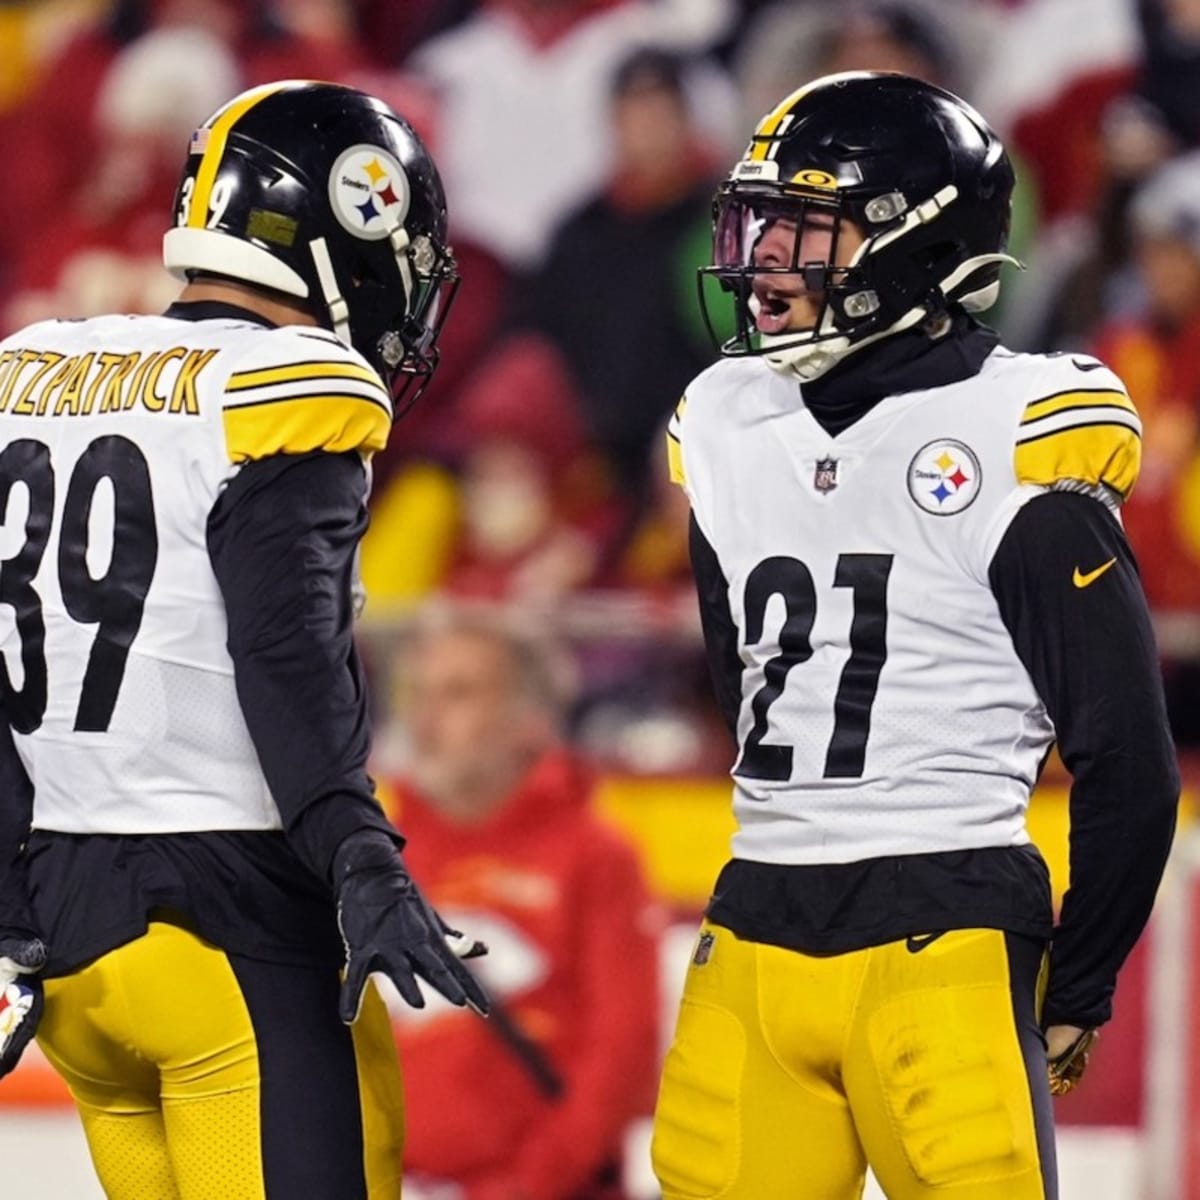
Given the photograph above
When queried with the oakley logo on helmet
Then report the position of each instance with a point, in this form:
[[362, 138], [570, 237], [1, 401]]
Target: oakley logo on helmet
[[815, 179], [368, 192]]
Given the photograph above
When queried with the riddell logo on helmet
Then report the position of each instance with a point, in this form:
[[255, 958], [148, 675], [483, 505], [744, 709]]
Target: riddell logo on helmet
[[368, 192]]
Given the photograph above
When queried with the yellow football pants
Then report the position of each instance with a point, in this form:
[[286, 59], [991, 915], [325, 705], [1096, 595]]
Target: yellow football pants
[[790, 1072], [202, 1075]]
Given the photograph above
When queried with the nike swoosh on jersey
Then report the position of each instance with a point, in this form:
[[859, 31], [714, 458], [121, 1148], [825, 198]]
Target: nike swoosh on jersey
[[1083, 365], [918, 941], [1080, 580]]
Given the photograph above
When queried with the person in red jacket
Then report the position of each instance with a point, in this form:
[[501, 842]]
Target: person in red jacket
[[531, 1104]]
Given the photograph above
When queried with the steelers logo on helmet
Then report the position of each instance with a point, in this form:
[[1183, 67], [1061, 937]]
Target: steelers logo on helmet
[[944, 477], [368, 192]]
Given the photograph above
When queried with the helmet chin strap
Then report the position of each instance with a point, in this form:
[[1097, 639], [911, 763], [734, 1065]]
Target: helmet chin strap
[[335, 303], [399, 241], [812, 359], [809, 359]]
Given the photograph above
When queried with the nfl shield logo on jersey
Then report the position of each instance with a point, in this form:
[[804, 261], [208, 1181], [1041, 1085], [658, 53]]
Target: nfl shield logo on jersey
[[825, 477]]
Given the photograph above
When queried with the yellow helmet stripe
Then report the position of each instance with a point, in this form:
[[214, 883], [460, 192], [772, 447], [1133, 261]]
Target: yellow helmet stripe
[[214, 151], [770, 124]]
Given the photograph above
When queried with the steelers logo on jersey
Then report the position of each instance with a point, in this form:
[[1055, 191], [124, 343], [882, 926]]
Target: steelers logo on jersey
[[368, 192], [944, 477]]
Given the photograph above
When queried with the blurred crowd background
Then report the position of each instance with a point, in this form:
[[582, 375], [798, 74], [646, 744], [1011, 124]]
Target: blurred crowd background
[[580, 142]]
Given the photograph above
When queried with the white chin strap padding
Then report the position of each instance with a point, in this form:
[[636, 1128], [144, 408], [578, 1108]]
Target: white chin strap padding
[[810, 360], [335, 303], [399, 240]]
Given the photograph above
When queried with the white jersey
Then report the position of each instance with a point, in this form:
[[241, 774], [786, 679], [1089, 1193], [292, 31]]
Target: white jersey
[[884, 709], [117, 435]]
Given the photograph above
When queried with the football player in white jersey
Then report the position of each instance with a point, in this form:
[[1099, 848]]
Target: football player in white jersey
[[190, 847], [913, 581]]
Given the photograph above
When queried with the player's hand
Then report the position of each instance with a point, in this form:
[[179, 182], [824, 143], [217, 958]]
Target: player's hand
[[389, 926], [1067, 1049], [20, 995]]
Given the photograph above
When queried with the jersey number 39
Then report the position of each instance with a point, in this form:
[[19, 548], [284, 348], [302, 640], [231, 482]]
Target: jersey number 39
[[113, 603]]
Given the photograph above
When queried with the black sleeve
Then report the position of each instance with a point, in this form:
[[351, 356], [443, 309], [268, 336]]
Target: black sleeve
[[1082, 630], [281, 539], [716, 621], [16, 817]]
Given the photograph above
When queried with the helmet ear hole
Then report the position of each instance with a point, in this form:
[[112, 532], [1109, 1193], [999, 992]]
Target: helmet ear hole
[[364, 273], [932, 260]]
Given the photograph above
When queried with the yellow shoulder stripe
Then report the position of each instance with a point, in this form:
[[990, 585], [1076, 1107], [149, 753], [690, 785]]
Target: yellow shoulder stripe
[[675, 461], [240, 381], [302, 424], [1089, 398], [1100, 452]]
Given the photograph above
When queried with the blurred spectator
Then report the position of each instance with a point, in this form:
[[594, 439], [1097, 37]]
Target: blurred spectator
[[531, 522], [1157, 353], [1091, 146], [54, 136], [31, 31], [654, 559], [390, 31], [1040, 47], [1110, 123], [532, 1103], [106, 252], [526, 514], [616, 295], [524, 86], [788, 44]]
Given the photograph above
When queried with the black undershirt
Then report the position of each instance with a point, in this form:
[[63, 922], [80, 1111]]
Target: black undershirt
[[281, 541], [910, 362], [1091, 656]]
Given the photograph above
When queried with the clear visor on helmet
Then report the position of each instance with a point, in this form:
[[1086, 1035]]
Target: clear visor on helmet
[[776, 260]]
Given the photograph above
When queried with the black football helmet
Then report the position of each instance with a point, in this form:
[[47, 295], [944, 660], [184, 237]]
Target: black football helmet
[[324, 194], [916, 169]]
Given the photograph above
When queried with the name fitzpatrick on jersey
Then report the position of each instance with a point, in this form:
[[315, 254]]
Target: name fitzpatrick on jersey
[[44, 383]]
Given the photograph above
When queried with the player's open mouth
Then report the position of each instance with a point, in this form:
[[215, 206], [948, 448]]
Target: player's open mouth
[[773, 311]]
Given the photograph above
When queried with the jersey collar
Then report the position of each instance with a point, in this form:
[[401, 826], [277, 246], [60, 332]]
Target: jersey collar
[[909, 362], [214, 310]]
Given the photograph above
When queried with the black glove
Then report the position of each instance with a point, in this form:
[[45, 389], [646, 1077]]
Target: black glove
[[388, 926], [20, 995]]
